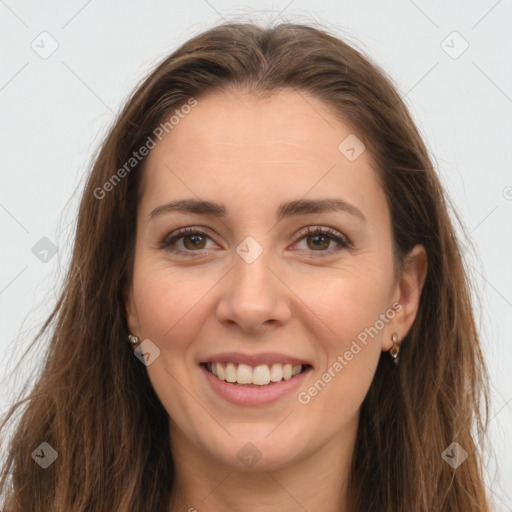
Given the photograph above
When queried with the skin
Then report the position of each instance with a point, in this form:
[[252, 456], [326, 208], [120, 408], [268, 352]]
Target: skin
[[251, 155]]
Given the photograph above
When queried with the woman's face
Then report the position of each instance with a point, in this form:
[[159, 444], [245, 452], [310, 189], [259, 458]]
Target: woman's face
[[252, 290]]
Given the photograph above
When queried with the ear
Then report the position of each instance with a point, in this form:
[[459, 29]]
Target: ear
[[132, 319], [407, 294]]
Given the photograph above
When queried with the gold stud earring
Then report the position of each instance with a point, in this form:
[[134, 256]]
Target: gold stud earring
[[133, 339], [395, 349]]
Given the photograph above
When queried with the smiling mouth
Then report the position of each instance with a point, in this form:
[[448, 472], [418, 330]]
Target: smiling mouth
[[255, 376]]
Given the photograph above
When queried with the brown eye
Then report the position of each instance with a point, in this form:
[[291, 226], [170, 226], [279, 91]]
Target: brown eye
[[195, 241], [319, 238], [318, 242]]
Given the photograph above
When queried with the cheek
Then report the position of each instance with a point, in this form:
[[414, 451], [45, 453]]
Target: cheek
[[164, 297], [351, 301], [354, 306], [173, 306], [168, 305]]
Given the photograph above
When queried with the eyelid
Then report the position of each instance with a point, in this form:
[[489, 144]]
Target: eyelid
[[182, 232], [333, 234], [327, 230]]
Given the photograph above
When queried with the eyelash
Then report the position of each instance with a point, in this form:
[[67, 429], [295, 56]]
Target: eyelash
[[311, 231]]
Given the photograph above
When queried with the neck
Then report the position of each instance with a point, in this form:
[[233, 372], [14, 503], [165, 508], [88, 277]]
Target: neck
[[316, 481]]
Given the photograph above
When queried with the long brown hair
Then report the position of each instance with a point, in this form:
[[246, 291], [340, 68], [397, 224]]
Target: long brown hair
[[93, 401]]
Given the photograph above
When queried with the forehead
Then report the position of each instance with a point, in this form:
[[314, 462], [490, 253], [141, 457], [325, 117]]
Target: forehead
[[244, 150]]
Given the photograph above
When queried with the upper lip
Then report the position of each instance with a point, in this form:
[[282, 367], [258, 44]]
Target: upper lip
[[254, 359]]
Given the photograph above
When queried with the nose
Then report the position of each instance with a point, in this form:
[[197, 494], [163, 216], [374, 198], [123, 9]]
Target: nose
[[254, 298]]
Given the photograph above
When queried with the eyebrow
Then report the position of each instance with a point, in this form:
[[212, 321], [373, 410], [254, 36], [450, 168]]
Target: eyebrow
[[285, 210]]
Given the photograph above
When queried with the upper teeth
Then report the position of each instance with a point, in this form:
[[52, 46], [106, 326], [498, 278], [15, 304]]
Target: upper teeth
[[259, 375]]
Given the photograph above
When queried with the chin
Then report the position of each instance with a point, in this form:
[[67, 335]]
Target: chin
[[256, 449]]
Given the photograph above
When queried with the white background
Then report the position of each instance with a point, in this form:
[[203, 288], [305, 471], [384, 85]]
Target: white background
[[56, 110]]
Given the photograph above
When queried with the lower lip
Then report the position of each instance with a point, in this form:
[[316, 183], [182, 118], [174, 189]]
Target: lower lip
[[242, 395]]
